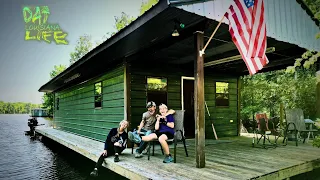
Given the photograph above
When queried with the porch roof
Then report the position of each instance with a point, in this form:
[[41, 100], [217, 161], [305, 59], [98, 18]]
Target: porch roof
[[149, 38]]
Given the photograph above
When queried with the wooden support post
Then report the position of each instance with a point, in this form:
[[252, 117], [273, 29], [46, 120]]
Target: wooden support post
[[281, 115], [318, 94], [239, 104], [199, 102], [127, 97]]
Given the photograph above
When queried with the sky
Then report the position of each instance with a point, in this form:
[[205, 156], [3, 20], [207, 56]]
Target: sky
[[26, 65]]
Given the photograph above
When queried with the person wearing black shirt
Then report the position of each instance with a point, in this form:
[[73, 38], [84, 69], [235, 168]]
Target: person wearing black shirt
[[115, 143]]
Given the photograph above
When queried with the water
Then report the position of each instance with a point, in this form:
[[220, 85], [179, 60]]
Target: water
[[41, 158]]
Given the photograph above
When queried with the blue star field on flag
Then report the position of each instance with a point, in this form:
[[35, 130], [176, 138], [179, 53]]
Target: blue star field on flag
[[249, 3]]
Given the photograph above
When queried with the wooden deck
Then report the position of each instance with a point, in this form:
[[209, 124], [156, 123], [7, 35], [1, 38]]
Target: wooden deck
[[231, 158]]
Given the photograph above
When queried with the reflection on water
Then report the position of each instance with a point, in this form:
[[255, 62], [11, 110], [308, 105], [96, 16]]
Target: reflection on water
[[42, 158]]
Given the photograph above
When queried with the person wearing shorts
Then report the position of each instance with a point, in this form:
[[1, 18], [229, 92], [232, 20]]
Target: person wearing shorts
[[164, 130]]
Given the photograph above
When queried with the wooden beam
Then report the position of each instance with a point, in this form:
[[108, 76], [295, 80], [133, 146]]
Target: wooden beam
[[232, 58], [199, 102]]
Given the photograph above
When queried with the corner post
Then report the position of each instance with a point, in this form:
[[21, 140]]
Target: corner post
[[199, 102], [127, 95]]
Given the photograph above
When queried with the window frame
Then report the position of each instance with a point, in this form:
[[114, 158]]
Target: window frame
[[157, 77], [228, 94], [95, 95]]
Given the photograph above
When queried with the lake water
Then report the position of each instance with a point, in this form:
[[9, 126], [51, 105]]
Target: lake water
[[41, 158]]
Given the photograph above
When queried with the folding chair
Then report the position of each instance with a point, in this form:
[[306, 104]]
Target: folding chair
[[262, 129]]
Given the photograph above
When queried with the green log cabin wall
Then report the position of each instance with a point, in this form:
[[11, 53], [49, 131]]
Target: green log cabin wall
[[77, 113], [221, 116], [225, 119]]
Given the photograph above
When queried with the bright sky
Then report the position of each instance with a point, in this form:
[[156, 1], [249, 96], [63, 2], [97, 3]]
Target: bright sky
[[25, 65]]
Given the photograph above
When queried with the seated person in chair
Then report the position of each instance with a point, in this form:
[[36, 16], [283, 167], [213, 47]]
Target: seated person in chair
[[164, 130], [147, 125]]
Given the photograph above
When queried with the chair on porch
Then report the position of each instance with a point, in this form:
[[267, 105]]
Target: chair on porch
[[262, 129], [296, 125], [178, 135]]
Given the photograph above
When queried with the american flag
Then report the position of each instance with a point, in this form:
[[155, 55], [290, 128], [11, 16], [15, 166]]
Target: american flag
[[247, 27]]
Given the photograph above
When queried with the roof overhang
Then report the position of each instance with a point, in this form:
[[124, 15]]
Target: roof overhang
[[149, 37]]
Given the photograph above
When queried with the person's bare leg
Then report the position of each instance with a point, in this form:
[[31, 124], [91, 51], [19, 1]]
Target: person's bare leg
[[164, 144], [150, 137]]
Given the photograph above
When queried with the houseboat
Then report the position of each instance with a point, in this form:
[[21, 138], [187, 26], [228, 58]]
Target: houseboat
[[155, 58]]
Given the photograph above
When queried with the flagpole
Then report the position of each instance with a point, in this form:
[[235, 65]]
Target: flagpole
[[214, 32]]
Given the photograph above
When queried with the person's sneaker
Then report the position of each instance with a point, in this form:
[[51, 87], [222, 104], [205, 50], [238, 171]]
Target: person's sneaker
[[145, 151], [94, 173], [168, 159], [138, 155], [116, 158]]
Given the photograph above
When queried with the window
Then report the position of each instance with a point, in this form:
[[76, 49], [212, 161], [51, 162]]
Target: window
[[57, 106], [222, 94], [157, 84], [98, 95], [157, 90]]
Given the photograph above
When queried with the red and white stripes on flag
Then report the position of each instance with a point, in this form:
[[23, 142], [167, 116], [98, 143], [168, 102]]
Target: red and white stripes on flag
[[247, 27]]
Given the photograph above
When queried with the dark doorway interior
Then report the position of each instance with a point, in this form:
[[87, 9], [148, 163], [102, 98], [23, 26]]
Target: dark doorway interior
[[157, 90], [188, 100], [158, 97]]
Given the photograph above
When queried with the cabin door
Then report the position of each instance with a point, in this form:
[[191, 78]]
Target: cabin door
[[187, 98]]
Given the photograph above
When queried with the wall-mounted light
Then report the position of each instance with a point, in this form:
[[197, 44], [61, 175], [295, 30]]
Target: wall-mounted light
[[175, 31]]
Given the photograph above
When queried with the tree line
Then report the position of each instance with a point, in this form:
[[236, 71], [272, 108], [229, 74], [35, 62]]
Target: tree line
[[17, 107], [266, 91]]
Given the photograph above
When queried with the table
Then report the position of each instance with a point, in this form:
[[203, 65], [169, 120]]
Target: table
[[310, 123]]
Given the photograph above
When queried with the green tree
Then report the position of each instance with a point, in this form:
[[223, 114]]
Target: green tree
[[84, 45], [27, 108], [2, 107], [145, 6], [124, 19], [57, 69], [265, 91], [48, 98]]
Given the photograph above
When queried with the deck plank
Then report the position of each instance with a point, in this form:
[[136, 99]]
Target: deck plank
[[235, 159]]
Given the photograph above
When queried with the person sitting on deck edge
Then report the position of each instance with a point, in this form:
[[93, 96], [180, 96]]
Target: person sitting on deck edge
[[147, 125], [164, 130], [115, 143]]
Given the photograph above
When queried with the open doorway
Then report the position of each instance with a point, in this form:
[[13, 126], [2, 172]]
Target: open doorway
[[187, 98]]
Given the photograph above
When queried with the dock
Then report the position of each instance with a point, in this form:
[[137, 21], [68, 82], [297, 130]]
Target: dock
[[229, 158]]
